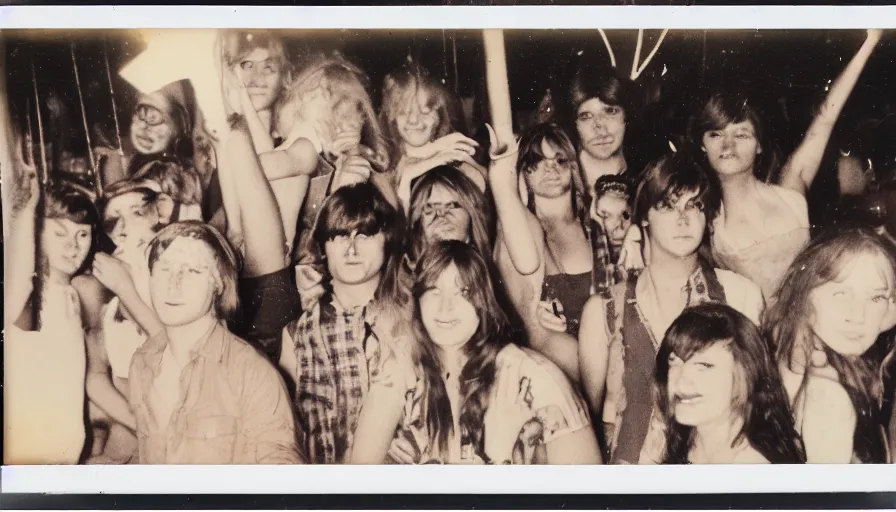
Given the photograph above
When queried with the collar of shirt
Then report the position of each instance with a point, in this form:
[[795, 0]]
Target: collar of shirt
[[211, 348]]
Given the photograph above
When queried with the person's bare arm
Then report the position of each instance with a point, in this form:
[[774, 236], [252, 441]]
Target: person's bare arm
[[297, 159], [262, 227], [113, 274], [100, 388], [521, 247], [19, 245], [829, 423], [802, 167], [579, 447], [559, 347], [594, 352]]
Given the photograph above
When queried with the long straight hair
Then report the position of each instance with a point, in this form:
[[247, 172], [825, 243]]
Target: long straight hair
[[471, 199], [403, 85], [479, 373], [760, 400], [361, 207], [787, 323], [531, 154]]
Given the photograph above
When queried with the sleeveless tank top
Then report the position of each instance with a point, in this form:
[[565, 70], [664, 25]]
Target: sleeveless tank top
[[766, 261], [572, 291]]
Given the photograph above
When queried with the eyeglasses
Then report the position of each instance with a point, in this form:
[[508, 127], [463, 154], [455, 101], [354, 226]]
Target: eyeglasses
[[150, 115], [355, 237], [558, 162], [440, 209]]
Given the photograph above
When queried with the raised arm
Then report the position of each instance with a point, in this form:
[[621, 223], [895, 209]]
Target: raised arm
[[20, 240], [512, 214], [114, 275], [802, 167]]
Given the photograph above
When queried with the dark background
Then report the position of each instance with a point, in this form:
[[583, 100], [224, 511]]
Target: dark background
[[786, 70]]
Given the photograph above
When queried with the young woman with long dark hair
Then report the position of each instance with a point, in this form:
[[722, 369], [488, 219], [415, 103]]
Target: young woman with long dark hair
[[834, 302], [470, 395], [720, 393]]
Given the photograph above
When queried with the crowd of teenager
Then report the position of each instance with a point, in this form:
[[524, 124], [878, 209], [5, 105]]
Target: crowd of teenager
[[327, 277]]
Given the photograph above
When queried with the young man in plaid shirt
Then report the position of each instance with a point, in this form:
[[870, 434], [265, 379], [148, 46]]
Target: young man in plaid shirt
[[344, 342]]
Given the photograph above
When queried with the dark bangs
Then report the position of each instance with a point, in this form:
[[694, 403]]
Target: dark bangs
[[67, 201], [360, 207], [720, 110], [695, 330], [439, 256], [673, 176], [471, 269], [530, 144]]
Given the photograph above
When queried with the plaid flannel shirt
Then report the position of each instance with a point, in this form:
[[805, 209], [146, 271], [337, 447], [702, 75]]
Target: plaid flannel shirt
[[338, 356]]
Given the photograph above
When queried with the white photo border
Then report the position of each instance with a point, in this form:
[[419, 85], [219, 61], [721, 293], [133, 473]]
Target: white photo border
[[433, 478]]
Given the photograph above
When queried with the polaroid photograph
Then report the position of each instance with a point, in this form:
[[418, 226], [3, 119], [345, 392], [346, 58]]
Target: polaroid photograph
[[639, 250]]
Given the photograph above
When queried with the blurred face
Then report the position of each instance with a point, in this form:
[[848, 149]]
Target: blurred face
[[65, 244], [415, 119], [448, 316], [130, 221], [356, 258], [733, 149], [262, 77], [615, 216], [349, 122], [701, 389], [676, 227], [849, 312], [443, 217], [152, 130], [552, 176], [183, 282], [601, 128]]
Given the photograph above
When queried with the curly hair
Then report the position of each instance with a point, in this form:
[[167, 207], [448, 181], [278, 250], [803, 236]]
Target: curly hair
[[760, 400], [787, 322], [478, 375]]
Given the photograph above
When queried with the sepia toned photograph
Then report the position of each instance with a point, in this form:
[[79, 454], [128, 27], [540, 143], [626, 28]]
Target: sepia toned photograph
[[448, 246]]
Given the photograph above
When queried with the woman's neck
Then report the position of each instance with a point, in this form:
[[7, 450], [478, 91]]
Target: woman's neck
[[267, 119], [58, 278], [554, 209], [594, 168], [739, 191], [184, 339], [452, 360], [713, 441]]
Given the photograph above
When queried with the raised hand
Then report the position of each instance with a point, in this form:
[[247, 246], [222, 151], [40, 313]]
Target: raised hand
[[509, 409], [113, 273], [874, 35]]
